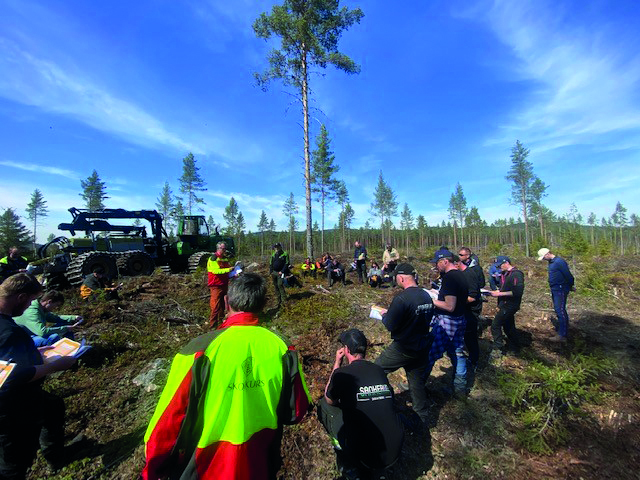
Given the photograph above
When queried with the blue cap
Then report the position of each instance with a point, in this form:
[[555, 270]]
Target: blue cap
[[442, 253], [500, 260]]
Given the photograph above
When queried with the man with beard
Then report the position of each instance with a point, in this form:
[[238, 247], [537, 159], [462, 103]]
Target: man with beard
[[28, 415]]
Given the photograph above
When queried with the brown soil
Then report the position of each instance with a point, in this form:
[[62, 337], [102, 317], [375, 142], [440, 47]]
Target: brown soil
[[472, 438]]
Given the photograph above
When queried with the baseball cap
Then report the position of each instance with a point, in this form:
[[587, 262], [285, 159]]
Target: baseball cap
[[404, 269], [542, 252], [500, 259], [442, 253], [354, 340], [277, 245]]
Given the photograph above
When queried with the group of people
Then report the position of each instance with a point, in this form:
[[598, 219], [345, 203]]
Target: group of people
[[200, 424]]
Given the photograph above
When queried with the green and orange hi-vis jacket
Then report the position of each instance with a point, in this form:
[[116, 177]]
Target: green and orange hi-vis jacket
[[227, 396]]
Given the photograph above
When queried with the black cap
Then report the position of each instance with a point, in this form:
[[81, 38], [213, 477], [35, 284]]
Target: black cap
[[404, 269], [500, 259], [354, 340], [277, 245]]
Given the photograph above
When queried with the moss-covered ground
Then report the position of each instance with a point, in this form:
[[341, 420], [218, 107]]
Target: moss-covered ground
[[477, 437]]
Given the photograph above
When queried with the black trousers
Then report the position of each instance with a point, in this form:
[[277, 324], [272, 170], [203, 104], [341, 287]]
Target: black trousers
[[361, 268], [331, 276], [21, 432], [416, 366], [505, 320], [471, 336]]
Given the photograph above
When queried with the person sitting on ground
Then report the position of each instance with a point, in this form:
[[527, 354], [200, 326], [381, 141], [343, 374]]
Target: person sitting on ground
[[320, 266], [308, 268], [374, 276], [96, 283], [335, 271], [291, 279], [357, 410], [390, 258], [29, 416], [44, 326], [13, 263]]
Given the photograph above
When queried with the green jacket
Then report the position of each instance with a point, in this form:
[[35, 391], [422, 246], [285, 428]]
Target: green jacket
[[35, 319]]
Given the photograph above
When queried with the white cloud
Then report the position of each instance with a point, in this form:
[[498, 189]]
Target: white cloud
[[32, 167], [34, 81], [586, 86]]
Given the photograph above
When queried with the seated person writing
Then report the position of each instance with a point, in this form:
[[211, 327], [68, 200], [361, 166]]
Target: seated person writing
[[335, 271], [290, 278], [96, 283], [44, 326], [375, 275]]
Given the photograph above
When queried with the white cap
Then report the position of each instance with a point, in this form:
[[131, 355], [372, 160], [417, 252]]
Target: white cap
[[542, 252]]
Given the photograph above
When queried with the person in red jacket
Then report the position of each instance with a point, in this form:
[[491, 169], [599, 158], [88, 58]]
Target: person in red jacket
[[218, 268], [227, 397]]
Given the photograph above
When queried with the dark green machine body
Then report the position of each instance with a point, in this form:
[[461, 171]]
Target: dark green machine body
[[126, 249]]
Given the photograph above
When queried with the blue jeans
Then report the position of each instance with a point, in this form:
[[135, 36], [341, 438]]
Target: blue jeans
[[45, 342], [559, 298]]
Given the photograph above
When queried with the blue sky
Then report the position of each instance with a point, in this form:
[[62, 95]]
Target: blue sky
[[446, 88]]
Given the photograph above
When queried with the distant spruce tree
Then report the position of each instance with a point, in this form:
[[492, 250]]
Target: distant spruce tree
[[12, 232], [263, 226], [384, 204], [521, 175], [309, 34], [322, 172], [165, 205], [290, 210], [94, 192], [191, 183], [36, 210], [457, 212], [406, 223], [230, 216]]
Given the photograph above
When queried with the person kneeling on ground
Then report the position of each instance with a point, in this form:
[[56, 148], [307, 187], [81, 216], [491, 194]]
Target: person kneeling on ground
[[96, 283], [335, 271], [375, 275], [29, 416], [308, 268], [357, 410], [40, 314]]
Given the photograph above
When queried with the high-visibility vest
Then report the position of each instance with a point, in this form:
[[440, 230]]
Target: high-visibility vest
[[227, 395]]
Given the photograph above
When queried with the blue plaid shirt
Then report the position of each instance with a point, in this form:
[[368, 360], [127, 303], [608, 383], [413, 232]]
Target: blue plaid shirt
[[448, 335]]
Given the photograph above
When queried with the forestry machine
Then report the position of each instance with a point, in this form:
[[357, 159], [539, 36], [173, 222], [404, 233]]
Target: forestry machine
[[125, 249]]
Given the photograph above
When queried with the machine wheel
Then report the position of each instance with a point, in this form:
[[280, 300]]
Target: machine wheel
[[135, 263], [84, 264], [199, 259]]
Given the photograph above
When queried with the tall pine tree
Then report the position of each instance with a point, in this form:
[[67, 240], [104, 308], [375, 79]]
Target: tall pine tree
[[309, 33], [521, 175]]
